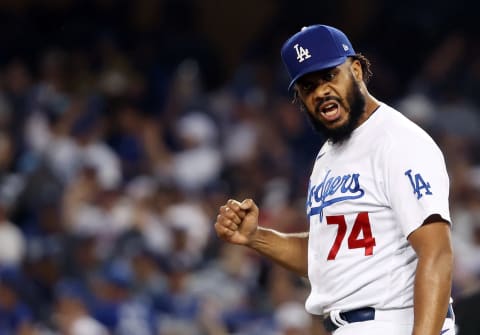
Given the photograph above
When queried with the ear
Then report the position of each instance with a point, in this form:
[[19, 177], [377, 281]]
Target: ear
[[356, 69]]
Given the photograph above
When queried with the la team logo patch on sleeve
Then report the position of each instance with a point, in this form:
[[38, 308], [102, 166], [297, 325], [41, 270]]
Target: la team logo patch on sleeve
[[419, 185]]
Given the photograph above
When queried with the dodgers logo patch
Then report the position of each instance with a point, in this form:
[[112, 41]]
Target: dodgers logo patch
[[419, 184], [332, 190], [302, 53]]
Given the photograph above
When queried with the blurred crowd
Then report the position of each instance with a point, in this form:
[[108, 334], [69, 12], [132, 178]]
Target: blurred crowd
[[112, 169]]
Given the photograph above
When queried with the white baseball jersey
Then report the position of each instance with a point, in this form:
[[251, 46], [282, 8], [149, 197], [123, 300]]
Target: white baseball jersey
[[365, 197]]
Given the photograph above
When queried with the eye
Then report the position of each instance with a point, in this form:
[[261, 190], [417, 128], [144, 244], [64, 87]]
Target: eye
[[306, 87], [329, 76]]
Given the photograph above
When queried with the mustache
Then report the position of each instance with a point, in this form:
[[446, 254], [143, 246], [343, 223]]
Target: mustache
[[321, 101]]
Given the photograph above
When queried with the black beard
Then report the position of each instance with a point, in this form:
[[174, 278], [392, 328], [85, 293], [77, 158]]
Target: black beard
[[356, 101]]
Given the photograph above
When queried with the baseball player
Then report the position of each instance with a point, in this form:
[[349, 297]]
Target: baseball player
[[378, 253]]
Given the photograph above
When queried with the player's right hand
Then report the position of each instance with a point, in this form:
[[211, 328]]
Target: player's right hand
[[237, 222]]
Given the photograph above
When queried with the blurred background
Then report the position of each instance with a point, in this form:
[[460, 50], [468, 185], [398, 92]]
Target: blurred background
[[124, 125]]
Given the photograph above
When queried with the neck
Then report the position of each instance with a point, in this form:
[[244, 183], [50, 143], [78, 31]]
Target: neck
[[371, 105]]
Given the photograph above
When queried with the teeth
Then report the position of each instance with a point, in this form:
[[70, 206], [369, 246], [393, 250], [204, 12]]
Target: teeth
[[330, 112], [329, 108]]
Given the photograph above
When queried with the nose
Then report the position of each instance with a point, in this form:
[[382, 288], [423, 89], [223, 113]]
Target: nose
[[322, 90]]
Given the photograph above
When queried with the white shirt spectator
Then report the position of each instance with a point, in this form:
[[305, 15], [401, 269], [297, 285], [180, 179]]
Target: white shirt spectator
[[200, 161], [192, 218], [12, 244], [87, 325]]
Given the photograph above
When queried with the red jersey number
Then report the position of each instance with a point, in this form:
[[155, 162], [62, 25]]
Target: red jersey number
[[361, 225]]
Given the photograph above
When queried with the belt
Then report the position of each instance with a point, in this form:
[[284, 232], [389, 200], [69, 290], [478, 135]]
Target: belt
[[359, 315]]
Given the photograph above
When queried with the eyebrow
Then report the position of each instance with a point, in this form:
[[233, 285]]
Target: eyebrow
[[304, 79]]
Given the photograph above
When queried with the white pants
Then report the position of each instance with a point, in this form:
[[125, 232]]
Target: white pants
[[391, 323]]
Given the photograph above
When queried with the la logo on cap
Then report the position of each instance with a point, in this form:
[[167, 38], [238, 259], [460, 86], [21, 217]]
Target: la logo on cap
[[302, 53]]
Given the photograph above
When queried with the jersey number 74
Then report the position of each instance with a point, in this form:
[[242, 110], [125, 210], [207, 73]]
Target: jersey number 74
[[362, 224]]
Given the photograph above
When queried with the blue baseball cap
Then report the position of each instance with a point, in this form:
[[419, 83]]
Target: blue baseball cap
[[315, 48]]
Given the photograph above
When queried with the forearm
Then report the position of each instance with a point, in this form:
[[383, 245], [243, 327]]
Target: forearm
[[288, 250], [432, 293]]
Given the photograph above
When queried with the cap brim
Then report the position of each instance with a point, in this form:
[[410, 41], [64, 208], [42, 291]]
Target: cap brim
[[317, 67]]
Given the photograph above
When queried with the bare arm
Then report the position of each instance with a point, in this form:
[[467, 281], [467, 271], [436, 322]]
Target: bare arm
[[238, 223], [433, 277], [288, 250]]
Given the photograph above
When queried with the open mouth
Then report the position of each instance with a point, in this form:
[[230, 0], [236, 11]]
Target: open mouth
[[330, 110]]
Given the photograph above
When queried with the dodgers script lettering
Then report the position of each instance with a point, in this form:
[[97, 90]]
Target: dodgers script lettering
[[332, 190]]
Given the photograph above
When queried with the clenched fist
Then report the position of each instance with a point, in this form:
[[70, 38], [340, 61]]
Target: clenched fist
[[237, 222]]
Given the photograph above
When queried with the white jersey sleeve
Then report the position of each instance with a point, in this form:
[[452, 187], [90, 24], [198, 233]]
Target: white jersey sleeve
[[417, 182]]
